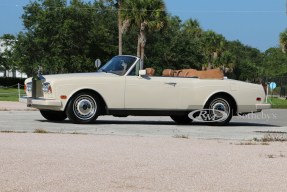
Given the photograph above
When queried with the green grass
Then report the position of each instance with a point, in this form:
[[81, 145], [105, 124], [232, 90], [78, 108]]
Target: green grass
[[278, 103], [10, 94]]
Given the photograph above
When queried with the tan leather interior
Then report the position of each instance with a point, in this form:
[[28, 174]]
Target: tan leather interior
[[150, 71], [191, 72], [176, 73], [208, 74], [182, 73], [168, 73]]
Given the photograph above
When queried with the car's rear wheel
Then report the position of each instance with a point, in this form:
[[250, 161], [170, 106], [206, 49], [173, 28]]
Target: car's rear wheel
[[56, 116], [182, 119], [83, 108], [220, 110]]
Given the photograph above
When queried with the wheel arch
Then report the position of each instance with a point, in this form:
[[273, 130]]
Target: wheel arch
[[102, 101], [223, 94]]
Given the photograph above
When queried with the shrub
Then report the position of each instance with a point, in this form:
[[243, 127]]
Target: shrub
[[10, 81]]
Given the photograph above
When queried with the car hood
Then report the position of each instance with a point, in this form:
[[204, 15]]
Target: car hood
[[53, 78]]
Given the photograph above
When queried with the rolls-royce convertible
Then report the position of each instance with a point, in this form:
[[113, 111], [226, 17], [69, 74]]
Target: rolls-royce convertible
[[122, 88]]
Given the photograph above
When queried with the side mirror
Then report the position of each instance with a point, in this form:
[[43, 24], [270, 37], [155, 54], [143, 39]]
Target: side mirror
[[142, 72]]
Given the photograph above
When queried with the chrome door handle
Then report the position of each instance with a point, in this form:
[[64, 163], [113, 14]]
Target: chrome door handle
[[171, 83]]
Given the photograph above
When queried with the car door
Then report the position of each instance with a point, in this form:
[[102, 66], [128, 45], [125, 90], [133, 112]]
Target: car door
[[151, 93]]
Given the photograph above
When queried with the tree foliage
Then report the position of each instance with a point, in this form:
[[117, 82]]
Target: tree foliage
[[213, 46], [283, 40], [6, 62], [275, 62], [173, 48], [146, 16], [65, 37]]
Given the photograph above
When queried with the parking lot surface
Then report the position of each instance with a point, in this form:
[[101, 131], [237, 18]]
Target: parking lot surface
[[240, 128]]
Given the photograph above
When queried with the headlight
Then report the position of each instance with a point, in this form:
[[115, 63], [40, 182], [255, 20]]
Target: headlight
[[29, 87], [47, 88]]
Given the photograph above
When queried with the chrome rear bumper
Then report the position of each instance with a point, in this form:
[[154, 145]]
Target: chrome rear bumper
[[263, 106]]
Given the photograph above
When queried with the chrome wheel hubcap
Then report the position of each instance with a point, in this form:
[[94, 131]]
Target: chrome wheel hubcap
[[85, 107], [220, 105]]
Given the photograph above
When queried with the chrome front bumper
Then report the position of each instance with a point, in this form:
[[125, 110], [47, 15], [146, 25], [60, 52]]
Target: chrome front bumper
[[32, 102]]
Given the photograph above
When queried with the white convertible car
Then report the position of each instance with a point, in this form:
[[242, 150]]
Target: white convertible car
[[122, 88]]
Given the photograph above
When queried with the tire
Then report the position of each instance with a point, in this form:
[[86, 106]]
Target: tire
[[83, 108], [182, 120], [55, 116], [220, 103]]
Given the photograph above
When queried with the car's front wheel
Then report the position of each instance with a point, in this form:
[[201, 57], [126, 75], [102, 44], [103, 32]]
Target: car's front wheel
[[83, 108], [56, 116]]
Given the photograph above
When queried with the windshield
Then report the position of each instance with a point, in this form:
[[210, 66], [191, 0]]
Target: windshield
[[118, 65]]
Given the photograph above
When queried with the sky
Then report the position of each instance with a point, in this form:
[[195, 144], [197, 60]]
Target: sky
[[256, 23]]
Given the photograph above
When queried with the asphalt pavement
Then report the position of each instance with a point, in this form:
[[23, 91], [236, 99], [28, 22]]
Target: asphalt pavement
[[240, 128]]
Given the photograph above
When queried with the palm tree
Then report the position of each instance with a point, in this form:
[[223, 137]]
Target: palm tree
[[213, 46], [227, 62], [283, 41], [120, 25], [192, 27], [147, 16], [119, 2]]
